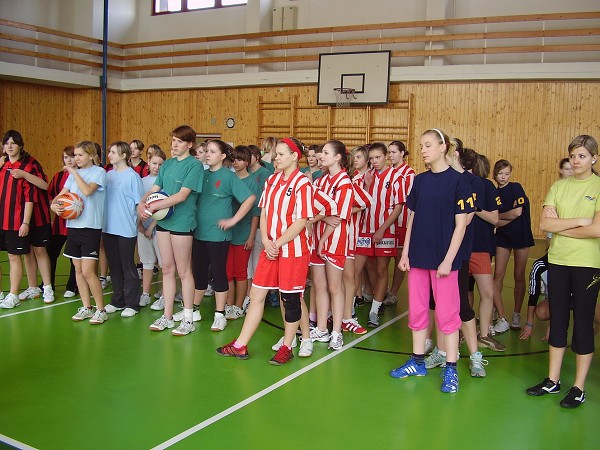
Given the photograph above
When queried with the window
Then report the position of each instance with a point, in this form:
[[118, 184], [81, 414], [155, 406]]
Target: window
[[173, 6]]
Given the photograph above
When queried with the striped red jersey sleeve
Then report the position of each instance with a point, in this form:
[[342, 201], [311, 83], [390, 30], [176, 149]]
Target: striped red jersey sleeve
[[387, 191], [339, 188], [57, 183], [41, 206], [15, 193], [363, 200], [408, 177], [284, 202]]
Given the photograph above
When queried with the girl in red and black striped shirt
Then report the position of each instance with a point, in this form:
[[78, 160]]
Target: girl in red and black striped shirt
[[20, 177], [59, 225], [137, 163]]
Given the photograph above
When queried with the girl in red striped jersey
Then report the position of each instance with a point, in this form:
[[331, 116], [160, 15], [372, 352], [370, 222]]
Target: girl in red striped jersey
[[377, 239], [25, 219], [329, 256], [362, 200], [59, 225], [360, 160], [286, 207], [398, 154]]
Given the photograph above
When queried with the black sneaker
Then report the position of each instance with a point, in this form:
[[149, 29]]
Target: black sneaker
[[545, 387], [358, 301], [573, 399]]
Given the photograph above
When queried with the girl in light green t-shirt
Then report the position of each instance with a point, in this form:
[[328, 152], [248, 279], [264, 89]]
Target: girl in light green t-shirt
[[572, 213]]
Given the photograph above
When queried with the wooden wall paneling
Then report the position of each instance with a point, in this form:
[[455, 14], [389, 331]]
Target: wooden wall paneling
[[528, 123]]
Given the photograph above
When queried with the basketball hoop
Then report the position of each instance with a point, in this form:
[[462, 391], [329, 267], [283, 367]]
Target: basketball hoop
[[344, 96]]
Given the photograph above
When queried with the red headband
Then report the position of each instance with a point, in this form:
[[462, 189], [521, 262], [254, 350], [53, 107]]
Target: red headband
[[292, 146]]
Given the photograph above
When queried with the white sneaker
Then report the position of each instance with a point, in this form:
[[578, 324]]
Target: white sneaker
[[1, 295], [515, 324], [209, 291], [501, 326], [390, 299], [196, 317], [159, 304], [428, 345], [245, 304], [491, 332], [110, 308], [128, 312], [103, 282], [29, 293], [158, 294], [82, 314], [185, 327], [99, 317], [306, 348], [219, 323], [10, 301], [161, 323], [234, 313], [69, 294], [277, 346], [336, 342], [145, 299], [319, 336], [179, 297], [48, 294]]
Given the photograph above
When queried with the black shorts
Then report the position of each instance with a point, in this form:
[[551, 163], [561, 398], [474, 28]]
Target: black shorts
[[82, 243], [40, 236], [15, 245], [175, 233]]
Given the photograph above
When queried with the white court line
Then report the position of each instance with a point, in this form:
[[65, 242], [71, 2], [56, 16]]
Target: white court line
[[50, 305], [15, 443], [271, 388]]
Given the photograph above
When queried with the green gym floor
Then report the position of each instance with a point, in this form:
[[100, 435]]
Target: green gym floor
[[68, 385]]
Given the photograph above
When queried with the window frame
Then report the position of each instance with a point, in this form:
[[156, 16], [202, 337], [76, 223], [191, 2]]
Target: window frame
[[185, 9]]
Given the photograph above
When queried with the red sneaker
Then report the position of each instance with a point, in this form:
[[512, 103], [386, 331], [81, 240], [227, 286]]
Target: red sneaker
[[283, 355], [352, 326], [230, 350]]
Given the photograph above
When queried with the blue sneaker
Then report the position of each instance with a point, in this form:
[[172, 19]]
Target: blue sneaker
[[450, 380], [409, 369], [273, 298]]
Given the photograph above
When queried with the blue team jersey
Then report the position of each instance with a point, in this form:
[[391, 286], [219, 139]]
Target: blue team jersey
[[478, 190], [484, 239], [517, 233], [435, 199]]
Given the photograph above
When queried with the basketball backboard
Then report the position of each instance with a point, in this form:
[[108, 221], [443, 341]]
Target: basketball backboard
[[368, 73]]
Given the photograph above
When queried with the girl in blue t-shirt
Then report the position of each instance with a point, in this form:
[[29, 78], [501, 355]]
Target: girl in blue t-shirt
[[513, 232], [119, 233], [438, 206], [84, 232]]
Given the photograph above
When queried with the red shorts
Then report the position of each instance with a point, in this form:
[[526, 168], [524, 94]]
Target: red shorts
[[286, 274], [480, 264], [338, 261], [400, 236], [237, 263], [366, 247]]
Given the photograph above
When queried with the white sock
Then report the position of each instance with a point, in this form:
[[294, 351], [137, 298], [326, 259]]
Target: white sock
[[375, 306], [188, 314]]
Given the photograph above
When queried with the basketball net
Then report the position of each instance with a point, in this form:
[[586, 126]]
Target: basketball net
[[344, 96]]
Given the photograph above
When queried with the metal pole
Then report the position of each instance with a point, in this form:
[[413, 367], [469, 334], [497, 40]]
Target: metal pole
[[104, 77]]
